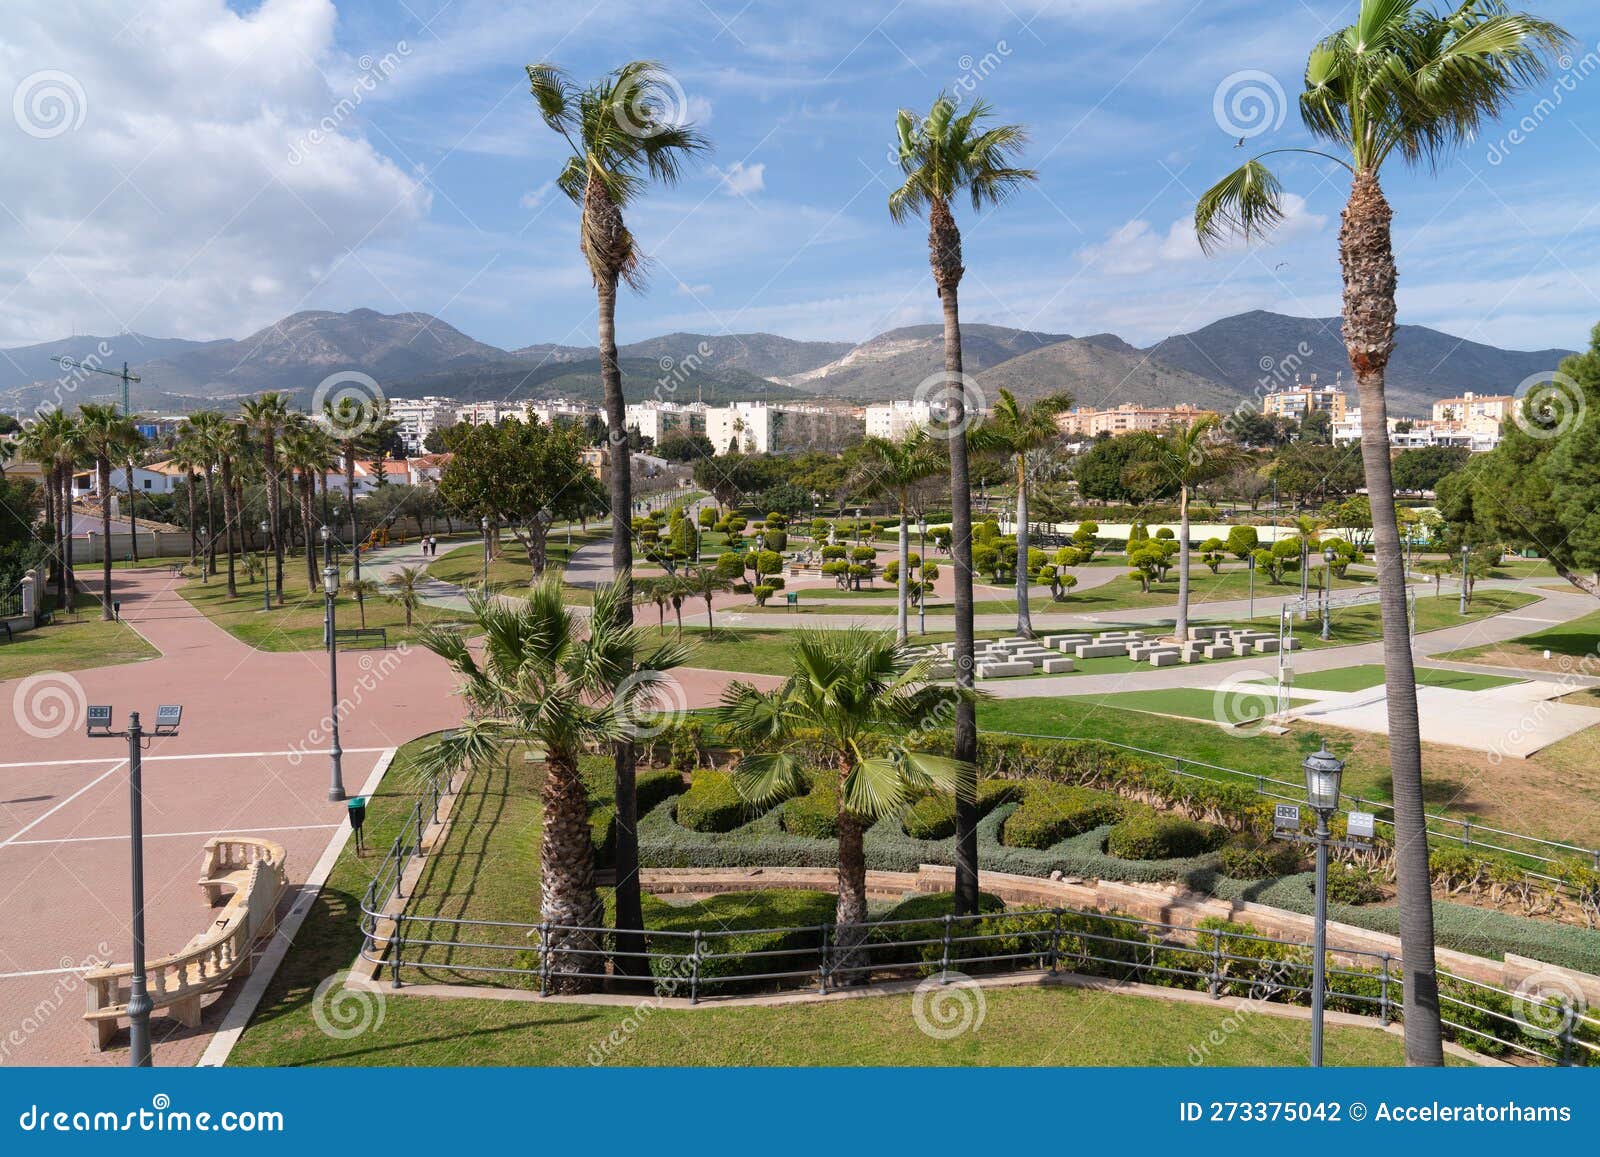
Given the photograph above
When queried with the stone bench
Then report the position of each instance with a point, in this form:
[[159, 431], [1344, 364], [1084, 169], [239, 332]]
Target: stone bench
[[1059, 666], [1004, 670], [1164, 658], [212, 958], [1101, 650]]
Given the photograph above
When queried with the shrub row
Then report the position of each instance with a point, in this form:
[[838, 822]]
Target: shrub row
[[712, 804], [933, 817], [1052, 812], [795, 915], [815, 815], [1148, 835]]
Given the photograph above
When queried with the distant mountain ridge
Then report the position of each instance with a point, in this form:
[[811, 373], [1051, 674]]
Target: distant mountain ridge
[[1220, 365]]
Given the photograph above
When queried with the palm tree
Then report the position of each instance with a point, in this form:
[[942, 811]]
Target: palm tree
[[264, 420], [133, 444], [188, 456], [228, 452], [357, 426], [1016, 431], [102, 432], [847, 687], [703, 582], [895, 467], [546, 679], [210, 434], [623, 134], [309, 454], [404, 586], [52, 442], [1185, 456], [1402, 81], [361, 590], [943, 156], [653, 591]]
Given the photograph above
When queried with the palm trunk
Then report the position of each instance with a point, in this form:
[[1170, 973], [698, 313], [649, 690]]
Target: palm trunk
[[230, 515], [944, 255], [308, 485], [1024, 613], [103, 469], [603, 220], [850, 913], [1182, 631], [1367, 256], [210, 560], [355, 527], [133, 519], [194, 545], [274, 513], [711, 625], [68, 526], [567, 896], [53, 521], [902, 622]]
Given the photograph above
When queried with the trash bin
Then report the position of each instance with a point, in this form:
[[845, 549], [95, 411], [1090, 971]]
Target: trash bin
[[356, 809]]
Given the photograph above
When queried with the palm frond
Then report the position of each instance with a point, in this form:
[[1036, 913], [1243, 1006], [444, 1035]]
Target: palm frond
[[765, 778], [1248, 203]]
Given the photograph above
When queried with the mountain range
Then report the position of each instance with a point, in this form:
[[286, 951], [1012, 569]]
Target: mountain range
[[415, 354]]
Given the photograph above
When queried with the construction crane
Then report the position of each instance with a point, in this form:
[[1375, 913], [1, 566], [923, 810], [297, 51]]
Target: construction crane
[[74, 364]]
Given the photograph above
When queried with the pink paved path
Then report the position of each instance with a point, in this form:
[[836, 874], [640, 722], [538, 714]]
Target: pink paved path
[[236, 766]]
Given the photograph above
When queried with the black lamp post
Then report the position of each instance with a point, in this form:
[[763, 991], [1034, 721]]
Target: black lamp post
[[1323, 772], [922, 572], [1250, 561], [1329, 557], [205, 558], [484, 523], [330, 589], [168, 717], [1466, 556], [266, 577]]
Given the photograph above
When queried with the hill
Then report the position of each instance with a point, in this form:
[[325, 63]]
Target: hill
[[893, 364], [1098, 374]]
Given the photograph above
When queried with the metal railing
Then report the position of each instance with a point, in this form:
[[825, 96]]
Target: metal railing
[[702, 963], [1459, 833]]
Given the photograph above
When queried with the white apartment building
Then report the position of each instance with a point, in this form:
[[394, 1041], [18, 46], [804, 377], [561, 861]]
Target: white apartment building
[[658, 421], [559, 410], [896, 420], [1470, 406], [760, 428], [740, 427], [1479, 435], [416, 418]]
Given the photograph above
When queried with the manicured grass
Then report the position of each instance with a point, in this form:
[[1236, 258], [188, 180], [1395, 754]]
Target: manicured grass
[[1363, 624], [491, 866], [1570, 645], [73, 642], [1371, 675], [1199, 703], [509, 568], [297, 625]]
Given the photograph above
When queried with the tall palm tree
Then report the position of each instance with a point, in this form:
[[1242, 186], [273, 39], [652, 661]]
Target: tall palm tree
[[264, 419], [894, 468], [549, 676], [133, 447], [102, 432], [704, 583], [1182, 458], [308, 452], [943, 156], [361, 590], [51, 441], [404, 586], [208, 431], [1016, 430], [188, 456], [1401, 82], [357, 427], [623, 133], [847, 687], [227, 451]]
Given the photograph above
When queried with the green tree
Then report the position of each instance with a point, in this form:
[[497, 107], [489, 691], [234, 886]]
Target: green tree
[[1102, 470], [848, 689], [264, 420], [549, 679], [942, 156], [1420, 469], [404, 586], [894, 468], [1243, 541], [101, 433]]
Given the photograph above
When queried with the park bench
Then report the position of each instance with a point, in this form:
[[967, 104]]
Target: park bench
[[254, 870], [357, 634]]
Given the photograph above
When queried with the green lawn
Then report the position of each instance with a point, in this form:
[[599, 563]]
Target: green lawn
[[73, 642], [297, 625], [509, 569], [492, 867], [1371, 675], [1363, 624], [1199, 703], [1570, 645]]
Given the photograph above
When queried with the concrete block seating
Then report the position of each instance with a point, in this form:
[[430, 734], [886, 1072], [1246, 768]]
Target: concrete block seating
[[1164, 658], [1061, 666], [1219, 651], [1003, 670], [1069, 642], [1101, 650], [253, 870]]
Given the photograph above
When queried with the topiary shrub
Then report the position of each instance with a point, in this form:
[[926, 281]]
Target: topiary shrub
[[1052, 812], [762, 592], [1152, 836], [711, 804], [815, 815], [1246, 858], [933, 817], [1349, 884]]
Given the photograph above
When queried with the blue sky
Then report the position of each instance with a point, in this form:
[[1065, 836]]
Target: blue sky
[[431, 192]]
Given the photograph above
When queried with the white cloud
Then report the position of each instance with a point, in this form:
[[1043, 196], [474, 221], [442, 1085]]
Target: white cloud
[[740, 179], [216, 176], [1138, 247], [535, 198]]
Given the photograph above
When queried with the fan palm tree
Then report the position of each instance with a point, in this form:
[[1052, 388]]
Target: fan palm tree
[[361, 590], [51, 441], [358, 426], [404, 586], [1182, 458], [943, 156], [1017, 431], [207, 430], [623, 134], [190, 458], [101, 434], [894, 468], [133, 446], [847, 687], [550, 677], [704, 583], [1408, 83], [264, 420], [308, 453]]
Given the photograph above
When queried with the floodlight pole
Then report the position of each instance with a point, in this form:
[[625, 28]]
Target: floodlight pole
[[139, 1004], [1319, 938], [330, 587]]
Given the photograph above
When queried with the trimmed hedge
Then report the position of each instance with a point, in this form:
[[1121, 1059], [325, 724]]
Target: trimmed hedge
[[652, 787], [1349, 884], [796, 913], [712, 804], [933, 817], [1248, 858], [1052, 812], [1152, 836], [815, 815]]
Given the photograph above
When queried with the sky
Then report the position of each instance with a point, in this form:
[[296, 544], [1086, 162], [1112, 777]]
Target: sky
[[195, 168]]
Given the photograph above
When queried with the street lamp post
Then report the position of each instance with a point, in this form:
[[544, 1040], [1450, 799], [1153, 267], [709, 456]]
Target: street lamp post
[[484, 523], [922, 571], [266, 578], [1305, 578], [1329, 557], [1250, 561], [330, 588], [858, 526], [168, 717], [205, 558], [1466, 555]]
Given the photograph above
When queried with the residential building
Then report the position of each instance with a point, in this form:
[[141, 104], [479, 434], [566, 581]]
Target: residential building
[[158, 478], [896, 420], [1479, 435], [658, 421], [1304, 400], [1486, 407], [553, 410], [416, 418], [1129, 418], [761, 428], [740, 427]]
